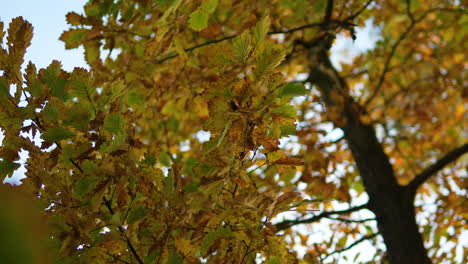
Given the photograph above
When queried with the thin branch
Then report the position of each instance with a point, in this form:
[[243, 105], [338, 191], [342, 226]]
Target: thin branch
[[117, 258], [387, 63], [76, 165], [362, 239], [326, 22], [195, 47], [355, 74], [132, 249], [288, 223], [351, 220], [122, 231], [438, 165], [353, 16], [408, 10], [210, 42], [397, 43], [247, 252], [328, 12], [128, 209], [319, 24]]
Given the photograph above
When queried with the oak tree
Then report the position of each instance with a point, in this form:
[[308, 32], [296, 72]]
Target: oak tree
[[167, 150]]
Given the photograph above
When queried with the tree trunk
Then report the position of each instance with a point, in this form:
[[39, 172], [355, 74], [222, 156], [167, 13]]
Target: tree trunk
[[392, 204]]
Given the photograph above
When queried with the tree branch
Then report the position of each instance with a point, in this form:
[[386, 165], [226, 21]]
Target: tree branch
[[387, 63], [353, 16], [116, 258], [362, 239], [319, 24], [328, 12], [122, 231], [327, 21], [351, 220], [397, 43], [288, 223], [438, 165]]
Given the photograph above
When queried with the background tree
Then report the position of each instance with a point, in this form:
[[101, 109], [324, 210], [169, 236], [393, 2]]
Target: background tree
[[125, 174]]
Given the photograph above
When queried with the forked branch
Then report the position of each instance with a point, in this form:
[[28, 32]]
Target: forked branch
[[437, 166]]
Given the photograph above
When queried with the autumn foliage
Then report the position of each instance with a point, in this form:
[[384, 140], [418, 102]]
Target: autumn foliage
[[167, 150]]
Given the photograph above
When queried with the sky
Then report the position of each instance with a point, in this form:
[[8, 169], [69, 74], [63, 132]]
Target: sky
[[48, 19]]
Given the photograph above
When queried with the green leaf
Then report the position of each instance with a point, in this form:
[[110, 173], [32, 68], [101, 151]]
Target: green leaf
[[150, 258], [137, 214], [342, 242], [272, 260], [73, 37], [261, 29], [89, 166], [198, 20], [165, 159], [117, 141], [85, 185], [175, 258], [150, 160], [208, 241], [358, 187], [57, 134], [51, 113], [293, 89], [285, 110], [242, 47], [114, 123], [226, 129], [54, 81], [169, 184], [135, 99], [36, 88], [268, 59], [8, 167], [80, 83], [92, 9], [209, 6], [92, 51], [191, 187], [78, 117], [3, 87], [287, 130]]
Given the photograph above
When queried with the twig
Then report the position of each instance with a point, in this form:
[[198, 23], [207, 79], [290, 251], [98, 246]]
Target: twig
[[387, 63], [362, 239], [408, 10], [351, 220], [117, 258], [397, 43], [129, 243], [353, 16], [288, 223], [195, 47]]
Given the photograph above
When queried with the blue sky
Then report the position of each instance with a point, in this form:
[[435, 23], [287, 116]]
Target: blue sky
[[48, 19]]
